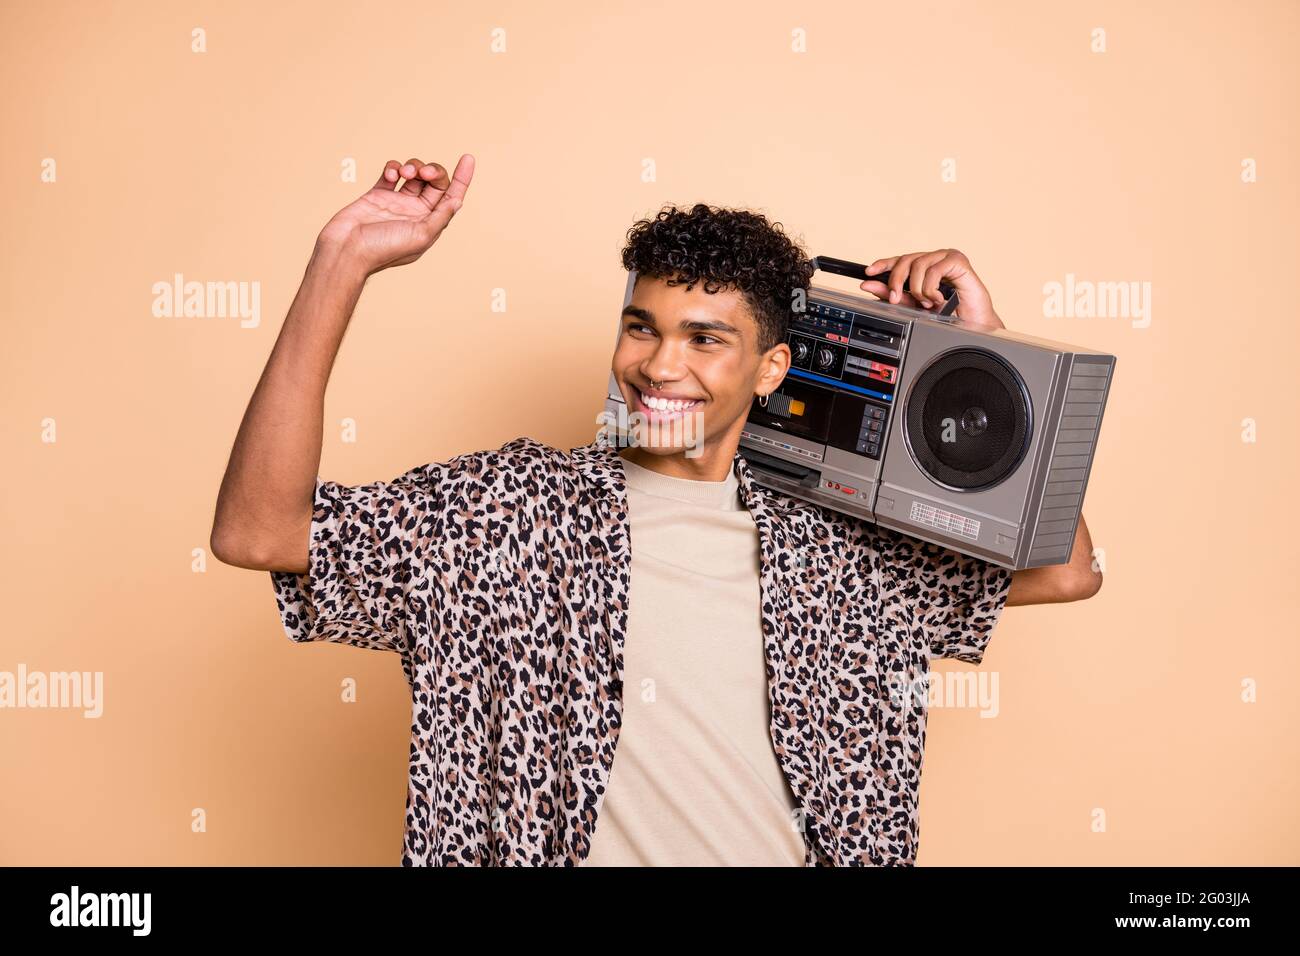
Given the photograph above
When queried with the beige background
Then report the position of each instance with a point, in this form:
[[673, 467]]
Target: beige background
[[1115, 166]]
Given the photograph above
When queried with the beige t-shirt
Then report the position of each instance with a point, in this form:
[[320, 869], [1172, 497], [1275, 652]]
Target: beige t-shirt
[[695, 781]]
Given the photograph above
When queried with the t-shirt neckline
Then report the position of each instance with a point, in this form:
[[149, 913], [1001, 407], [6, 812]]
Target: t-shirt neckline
[[720, 495]]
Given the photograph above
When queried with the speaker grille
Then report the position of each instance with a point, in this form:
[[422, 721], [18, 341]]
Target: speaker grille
[[968, 420], [1072, 452]]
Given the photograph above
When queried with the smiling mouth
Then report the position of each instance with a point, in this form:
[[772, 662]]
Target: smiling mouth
[[658, 407]]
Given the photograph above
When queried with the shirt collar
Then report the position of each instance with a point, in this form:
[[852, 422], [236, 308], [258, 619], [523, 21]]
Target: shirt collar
[[601, 464]]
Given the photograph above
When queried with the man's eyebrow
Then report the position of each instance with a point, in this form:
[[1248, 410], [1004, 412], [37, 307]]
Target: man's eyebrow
[[686, 325]]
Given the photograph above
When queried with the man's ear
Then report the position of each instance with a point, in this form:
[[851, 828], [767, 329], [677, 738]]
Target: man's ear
[[772, 368]]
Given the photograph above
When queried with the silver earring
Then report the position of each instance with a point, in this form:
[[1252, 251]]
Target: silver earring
[[762, 401]]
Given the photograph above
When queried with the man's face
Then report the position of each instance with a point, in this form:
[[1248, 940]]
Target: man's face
[[702, 350]]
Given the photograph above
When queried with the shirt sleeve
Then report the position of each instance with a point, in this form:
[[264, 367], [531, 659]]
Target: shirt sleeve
[[366, 547], [955, 598]]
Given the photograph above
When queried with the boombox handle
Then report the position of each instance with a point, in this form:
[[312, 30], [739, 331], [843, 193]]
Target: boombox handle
[[856, 270]]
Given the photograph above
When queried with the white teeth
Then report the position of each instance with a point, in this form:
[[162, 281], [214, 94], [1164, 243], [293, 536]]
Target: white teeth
[[664, 405]]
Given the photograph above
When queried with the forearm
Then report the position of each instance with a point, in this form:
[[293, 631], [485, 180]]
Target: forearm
[[1072, 581], [264, 508]]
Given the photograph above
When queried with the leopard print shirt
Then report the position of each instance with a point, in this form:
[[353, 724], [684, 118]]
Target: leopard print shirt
[[501, 579]]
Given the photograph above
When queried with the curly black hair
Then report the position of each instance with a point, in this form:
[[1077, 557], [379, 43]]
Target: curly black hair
[[724, 248]]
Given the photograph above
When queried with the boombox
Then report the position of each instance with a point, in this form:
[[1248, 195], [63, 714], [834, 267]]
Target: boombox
[[978, 441]]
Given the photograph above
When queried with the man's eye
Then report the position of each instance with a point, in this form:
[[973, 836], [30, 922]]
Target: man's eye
[[711, 339], [638, 325]]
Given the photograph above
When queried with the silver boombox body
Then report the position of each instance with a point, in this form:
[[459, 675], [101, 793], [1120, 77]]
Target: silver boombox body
[[981, 442]]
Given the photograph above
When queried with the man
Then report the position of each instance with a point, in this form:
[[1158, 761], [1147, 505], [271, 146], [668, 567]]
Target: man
[[743, 651]]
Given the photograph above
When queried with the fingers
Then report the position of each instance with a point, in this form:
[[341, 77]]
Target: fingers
[[435, 183], [413, 172], [956, 269], [923, 277], [389, 177], [875, 286], [881, 291], [453, 196], [928, 290], [920, 271], [879, 266], [418, 176], [444, 194], [898, 268]]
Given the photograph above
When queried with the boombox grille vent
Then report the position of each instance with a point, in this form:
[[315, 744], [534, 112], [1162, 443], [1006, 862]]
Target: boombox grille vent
[[778, 403], [1076, 440]]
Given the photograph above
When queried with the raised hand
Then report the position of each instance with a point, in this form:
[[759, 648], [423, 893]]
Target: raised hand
[[922, 272], [391, 225]]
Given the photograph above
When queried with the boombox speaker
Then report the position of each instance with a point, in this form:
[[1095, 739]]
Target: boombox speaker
[[978, 441]]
